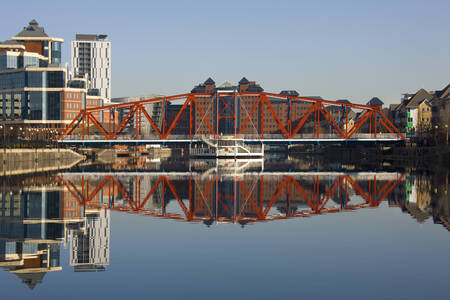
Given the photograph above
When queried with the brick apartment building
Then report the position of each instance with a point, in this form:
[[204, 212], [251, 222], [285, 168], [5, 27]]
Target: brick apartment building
[[216, 109]]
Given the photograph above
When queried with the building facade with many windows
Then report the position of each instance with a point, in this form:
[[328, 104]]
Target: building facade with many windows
[[91, 58], [31, 76]]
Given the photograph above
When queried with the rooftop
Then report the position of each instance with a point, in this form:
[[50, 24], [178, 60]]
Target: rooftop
[[90, 37], [293, 93], [32, 30], [209, 81], [243, 81], [375, 101]]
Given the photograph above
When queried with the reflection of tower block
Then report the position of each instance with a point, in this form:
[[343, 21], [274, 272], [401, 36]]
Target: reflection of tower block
[[90, 247], [154, 202]]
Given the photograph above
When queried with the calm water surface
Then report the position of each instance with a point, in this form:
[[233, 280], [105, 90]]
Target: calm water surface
[[171, 232]]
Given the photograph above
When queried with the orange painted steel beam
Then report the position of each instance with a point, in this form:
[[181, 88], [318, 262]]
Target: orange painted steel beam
[[152, 190], [175, 194], [275, 196], [392, 125], [257, 211], [124, 121], [312, 100], [391, 188], [316, 209], [274, 114], [358, 189], [303, 120], [64, 132], [248, 117], [98, 126], [190, 118], [300, 189], [199, 203], [358, 124], [124, 193], [331, 191], [70, 188], [261, 116], [317, 105], [152, 123], [203, 116], [331, 120]]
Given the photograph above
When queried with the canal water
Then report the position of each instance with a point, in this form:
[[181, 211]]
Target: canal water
[[297, 229]]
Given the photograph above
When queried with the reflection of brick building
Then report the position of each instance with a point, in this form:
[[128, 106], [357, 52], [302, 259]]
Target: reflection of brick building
[[253, 197]]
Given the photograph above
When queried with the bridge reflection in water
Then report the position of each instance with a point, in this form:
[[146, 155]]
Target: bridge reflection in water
[[249, 198], [39, 214]]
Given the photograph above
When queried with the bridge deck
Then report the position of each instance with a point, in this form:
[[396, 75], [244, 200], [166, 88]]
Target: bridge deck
[[249, 141]]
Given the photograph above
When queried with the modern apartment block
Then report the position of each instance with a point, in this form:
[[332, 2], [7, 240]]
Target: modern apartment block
[[31, 76], [90, 248], [91, 58]]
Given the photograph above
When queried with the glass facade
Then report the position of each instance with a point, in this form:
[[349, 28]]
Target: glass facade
[[31, 105], [45, 48], [28, 62], [54, 105], [56, 53], [55, 79], [8, 62], [14, 80], [34, 79], [35, 104]]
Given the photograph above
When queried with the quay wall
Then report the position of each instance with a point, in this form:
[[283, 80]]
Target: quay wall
[[24, 161]]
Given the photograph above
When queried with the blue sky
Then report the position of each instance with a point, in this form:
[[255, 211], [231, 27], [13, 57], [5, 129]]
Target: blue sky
[[335, 49]]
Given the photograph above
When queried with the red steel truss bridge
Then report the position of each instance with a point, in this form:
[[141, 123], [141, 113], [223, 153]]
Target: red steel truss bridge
[[249, 198], [253, 117]]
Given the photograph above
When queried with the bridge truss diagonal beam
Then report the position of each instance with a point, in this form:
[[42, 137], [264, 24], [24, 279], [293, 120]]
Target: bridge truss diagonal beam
[[372, 118]]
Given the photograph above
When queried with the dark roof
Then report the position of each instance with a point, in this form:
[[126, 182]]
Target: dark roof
[[11, 42], [243, 81], [290, 93], [313, 97], [343, 101], [420, 96], [393, 106], [90, 37], [32, 30], [375, 101], [444, 92], [209, 81], [31, 279], [199, 89], [255, 89]]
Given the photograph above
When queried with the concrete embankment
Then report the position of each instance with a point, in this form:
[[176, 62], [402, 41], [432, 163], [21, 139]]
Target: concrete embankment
[[23, 161]]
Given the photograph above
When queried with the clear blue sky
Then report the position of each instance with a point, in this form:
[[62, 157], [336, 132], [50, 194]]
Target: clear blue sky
[[335, 49]]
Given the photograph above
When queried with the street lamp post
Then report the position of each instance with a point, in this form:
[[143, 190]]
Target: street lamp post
[[435, 134], [446, 127]]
